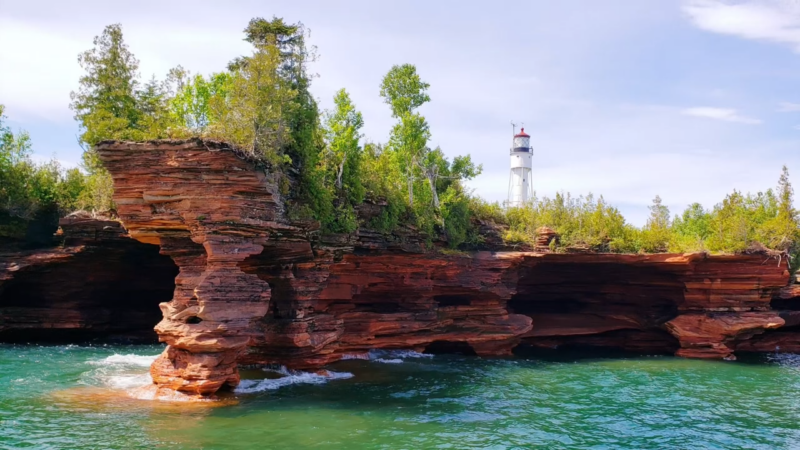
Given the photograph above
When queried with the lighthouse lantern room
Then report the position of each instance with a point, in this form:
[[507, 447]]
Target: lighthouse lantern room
[[520, 188]]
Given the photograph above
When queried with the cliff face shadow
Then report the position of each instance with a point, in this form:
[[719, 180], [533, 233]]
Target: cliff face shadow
[[106, 293], [597, 305]]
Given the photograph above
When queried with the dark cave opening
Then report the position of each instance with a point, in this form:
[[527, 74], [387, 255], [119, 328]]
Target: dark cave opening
[[449, 347], [598, 305], [452, 300], [99, 293]]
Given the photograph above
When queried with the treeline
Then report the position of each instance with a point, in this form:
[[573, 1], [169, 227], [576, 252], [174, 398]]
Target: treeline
[[261, 104], [28, 189], [741, 222]]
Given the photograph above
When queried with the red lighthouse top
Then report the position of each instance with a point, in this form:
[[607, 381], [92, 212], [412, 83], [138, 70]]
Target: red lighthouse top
[[521, 133]]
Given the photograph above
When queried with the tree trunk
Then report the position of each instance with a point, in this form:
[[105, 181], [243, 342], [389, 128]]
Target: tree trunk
[[410, 190], [341, 171], [432, 181]]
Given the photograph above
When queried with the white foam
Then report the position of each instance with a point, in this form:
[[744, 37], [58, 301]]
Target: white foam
[[130, 360], [153, 393], [395, 356], [289, 377], [124, 372], [785, 359], [347, 356], [127, 381]]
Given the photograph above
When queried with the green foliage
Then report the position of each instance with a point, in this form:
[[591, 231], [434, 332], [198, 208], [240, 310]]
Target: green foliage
[[403, 90], [435, 195], [303, 140], [15, 170], [254, 116], [340, 164], [656, 234], [740, 222], [480, 209], [105, 104], [581, 221], [199, 100], [26, 187], [456, 216], [690, 229], [109, 105], [262, 105], [382, 180]]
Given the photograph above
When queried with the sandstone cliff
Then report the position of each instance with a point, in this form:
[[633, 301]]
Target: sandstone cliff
[[254, 288]]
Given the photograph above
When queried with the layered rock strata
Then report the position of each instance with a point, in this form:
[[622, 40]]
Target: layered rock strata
[[255, 288]]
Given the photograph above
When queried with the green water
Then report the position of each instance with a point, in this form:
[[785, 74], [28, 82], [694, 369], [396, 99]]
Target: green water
[[75, 397]]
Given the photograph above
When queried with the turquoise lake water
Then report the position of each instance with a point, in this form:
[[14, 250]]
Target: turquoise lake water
[[78, 397]]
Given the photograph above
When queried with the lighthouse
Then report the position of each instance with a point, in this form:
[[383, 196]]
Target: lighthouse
[[520, 188]]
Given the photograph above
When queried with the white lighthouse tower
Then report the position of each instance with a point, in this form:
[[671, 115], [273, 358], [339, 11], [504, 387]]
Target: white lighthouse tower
[[520, 187]]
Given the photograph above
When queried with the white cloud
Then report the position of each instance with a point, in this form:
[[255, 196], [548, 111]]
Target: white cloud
[[788, 107], [726, 114], [768, 20]]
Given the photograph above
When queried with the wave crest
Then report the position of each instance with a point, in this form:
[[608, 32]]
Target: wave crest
[[289, 377]]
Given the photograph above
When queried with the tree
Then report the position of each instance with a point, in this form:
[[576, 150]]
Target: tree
[[786, 209], [656, 232], [26, 188], [730, 230], [404, 91], [301, 116], [105, 103], [15, 170], [436, 168], [198, 100], [690, 229], [342, 132], [340, 164], [408, 139], [106, 106], [781, 231], [254, 117], [155, 121]]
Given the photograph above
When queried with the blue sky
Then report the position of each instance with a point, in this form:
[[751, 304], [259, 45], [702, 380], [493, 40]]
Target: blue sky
[[685, 99]]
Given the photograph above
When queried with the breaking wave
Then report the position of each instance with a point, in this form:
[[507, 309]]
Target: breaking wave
[[130, 359], [395, 356], [785, 359], [126, 372], [289, 377]]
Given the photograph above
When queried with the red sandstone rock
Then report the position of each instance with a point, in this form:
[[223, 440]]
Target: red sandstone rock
[[544, 236], [791, 292], [710, 335], [254, 288]]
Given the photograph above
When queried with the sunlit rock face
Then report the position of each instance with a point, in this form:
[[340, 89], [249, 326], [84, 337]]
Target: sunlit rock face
[[96, 284], [256, 288]]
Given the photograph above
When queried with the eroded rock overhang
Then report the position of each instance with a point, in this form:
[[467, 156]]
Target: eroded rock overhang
[[256, 288]]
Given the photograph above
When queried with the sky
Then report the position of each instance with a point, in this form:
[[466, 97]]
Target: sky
[[685, 99]]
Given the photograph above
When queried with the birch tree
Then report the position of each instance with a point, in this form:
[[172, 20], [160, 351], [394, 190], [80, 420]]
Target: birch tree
[[342, 155], [404, 91]]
